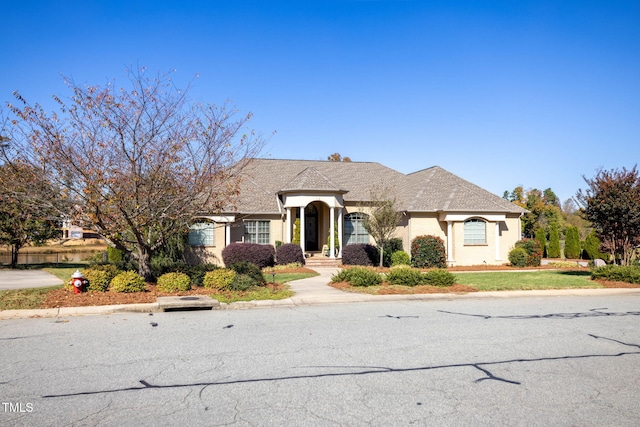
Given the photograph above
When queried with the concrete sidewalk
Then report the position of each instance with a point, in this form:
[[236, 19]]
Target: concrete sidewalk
[[313, 291], [22, 279]]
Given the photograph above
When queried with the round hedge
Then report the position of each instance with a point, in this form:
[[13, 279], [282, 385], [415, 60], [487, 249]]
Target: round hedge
[[219, 279], [128, 281], [174, 282]]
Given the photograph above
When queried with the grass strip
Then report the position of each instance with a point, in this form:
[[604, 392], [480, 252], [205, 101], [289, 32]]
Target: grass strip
[[534, 280]]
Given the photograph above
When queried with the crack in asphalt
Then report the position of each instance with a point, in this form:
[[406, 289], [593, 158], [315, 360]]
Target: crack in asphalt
[[594, 312], [367, 370]]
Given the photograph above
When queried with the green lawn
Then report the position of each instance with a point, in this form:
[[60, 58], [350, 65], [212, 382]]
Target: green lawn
[[513, 281]]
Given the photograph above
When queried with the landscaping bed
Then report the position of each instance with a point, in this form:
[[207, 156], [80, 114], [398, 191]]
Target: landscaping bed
[[64, 298]]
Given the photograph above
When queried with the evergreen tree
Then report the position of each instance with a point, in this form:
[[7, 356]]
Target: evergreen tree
[[553, 250], [572, 243], [541, 237]]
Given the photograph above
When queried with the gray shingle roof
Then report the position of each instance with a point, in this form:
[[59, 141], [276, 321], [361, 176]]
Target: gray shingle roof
[[429, 190]]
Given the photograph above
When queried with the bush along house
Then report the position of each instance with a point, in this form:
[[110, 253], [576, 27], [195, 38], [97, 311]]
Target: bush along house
[[298, 201]]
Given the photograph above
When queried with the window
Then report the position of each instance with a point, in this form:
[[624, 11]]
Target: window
[[475, 232], [201, 234], [354, 231], [256, 232]]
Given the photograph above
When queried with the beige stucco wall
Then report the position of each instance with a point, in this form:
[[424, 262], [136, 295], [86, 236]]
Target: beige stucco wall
[[213, 254], [408, 228], [461, 254]]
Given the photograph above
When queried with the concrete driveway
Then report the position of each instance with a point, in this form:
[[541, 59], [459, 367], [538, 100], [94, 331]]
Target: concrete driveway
[[22, 279]]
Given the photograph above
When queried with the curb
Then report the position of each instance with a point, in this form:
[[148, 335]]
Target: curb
[[294, 301]]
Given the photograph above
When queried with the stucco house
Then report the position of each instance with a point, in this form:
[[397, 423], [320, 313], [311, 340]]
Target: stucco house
[[477, 226]]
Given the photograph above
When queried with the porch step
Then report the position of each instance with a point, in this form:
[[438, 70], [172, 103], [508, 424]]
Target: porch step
[[320, 261]]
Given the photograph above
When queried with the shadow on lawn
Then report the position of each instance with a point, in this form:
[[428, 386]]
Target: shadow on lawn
[[576, 273]]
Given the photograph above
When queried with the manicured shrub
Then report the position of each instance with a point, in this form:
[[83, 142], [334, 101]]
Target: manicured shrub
[[428, 252], [439, 277], [196, 272], [360, 254], [400, 258], [174, 282], [289, 253], [219, 279], [260, 255], [617, 273], [518, 257], [243, 282], [128, 281], [358, 276], [99, 276], [534, 253], [391, 246], [405, 276], [250, 270], [572, 243], [553, 251]]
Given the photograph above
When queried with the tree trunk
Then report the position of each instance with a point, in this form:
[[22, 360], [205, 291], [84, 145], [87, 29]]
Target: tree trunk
[[144, 264], [14, 256]]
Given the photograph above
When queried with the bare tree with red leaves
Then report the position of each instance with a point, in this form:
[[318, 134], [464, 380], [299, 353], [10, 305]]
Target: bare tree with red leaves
[[137, 163]]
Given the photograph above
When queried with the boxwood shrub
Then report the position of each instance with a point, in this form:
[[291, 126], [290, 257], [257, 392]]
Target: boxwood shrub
[[289, 253], [128, 281], [174, 282], [99, 276], [250, 270], [360, 254], [358, 276], [617, 273], [196, 272], [260, 255], [219, 279], [405, 276], [439, 277], [518, 257]]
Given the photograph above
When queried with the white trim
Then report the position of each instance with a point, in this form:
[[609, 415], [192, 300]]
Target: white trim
[[450, 242], [219, 218], [461, 217], [498, 241]]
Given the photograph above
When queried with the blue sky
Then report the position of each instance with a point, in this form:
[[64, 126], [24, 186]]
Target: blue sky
[[501, 93]]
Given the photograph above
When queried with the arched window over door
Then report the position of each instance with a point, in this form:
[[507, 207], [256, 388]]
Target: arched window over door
[[354, 231]]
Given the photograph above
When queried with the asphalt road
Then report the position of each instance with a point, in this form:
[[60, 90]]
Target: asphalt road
[[540, 361]]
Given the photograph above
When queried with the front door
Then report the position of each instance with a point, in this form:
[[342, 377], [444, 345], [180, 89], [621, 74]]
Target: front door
[[311, 228]]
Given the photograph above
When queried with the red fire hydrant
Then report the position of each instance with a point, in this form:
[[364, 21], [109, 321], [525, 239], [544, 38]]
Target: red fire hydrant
[[78, 282]]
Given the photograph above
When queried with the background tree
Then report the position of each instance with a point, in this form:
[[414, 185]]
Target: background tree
[[336, 157], [383, 219], [572, 243], [139, 163], [543, 207], [24, 218], [611, 202]]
